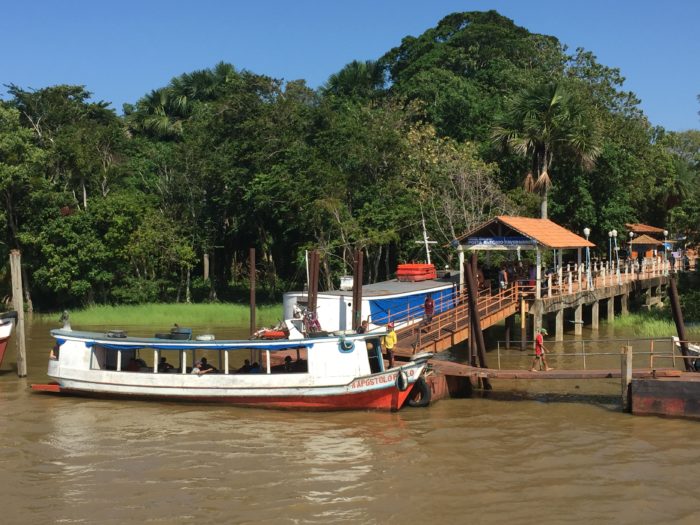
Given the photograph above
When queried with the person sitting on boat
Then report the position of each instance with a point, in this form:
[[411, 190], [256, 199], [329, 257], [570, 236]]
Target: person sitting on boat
[[255, 369], [199, 369], [133, 366], [245, 368], [390, 342], [288, 363], [164, 366], [206, 367], [363, 327]]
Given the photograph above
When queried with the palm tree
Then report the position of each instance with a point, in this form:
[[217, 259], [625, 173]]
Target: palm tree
[[547, 121], [356, 80]]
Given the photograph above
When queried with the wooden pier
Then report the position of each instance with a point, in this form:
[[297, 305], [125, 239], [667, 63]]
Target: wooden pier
[[452, 325], [448, 368], [644, 391]]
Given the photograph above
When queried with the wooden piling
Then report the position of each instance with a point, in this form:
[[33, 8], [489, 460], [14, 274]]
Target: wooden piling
[[357, 290], [251, 262], [523, 324], [313, 281], [626, 375], [472, 297], [678, 319], [18, 305]]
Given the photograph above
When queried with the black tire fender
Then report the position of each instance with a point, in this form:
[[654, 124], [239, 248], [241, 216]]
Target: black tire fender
[[420, 394], [402, 380]]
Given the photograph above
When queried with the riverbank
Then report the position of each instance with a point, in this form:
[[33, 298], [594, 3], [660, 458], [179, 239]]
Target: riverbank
[[654, 324], [165, 315]]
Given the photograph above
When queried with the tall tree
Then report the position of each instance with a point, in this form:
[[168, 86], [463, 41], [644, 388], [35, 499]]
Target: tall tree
[[542, 123]]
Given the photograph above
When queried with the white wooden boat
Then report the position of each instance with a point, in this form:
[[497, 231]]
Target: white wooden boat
[[336, 372], [7, 323]]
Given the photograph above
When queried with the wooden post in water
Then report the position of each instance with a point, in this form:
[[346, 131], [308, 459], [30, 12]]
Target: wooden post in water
[[508, 329], [251, 262], [18, 305], [678, 319], [626, 375], [313, 282], [357, 290], [523, 324], [472, 297], [474, 260]]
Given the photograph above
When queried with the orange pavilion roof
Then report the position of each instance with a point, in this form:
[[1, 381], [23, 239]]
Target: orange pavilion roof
[[543, 231], [646, 240], [639, 228]]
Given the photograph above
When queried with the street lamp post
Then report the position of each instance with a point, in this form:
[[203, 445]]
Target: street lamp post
[[589, 281], [630, 257], [610, 249], [617, 257]]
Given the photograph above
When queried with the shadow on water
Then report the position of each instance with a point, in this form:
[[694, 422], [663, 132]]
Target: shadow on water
[[605, 401]]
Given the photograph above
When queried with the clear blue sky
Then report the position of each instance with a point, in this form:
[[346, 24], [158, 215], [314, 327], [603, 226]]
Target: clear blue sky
[[120, 50]]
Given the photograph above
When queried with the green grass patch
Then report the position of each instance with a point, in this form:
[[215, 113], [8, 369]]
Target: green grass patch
[[165, 315], [653, 324]]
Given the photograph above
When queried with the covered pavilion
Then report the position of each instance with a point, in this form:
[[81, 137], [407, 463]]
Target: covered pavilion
[[644, 245], [508, 233], [651, 237]]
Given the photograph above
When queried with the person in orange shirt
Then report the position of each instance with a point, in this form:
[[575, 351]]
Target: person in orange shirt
[[540, 352]]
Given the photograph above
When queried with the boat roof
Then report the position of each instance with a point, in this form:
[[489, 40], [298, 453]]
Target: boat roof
[[396, 287], [124, 343]]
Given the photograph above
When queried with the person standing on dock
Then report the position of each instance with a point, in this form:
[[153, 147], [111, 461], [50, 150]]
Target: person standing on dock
[[390, 342], [540, 352], [429, 307], [503, 277]]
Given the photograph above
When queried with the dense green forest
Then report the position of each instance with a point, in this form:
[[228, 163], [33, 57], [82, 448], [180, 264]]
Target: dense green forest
[[475, 117]]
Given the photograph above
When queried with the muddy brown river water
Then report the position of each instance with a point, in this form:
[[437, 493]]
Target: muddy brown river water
[[552, 452]]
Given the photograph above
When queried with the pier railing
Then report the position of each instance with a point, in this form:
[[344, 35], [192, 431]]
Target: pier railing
[[574, 278], [666, 350]]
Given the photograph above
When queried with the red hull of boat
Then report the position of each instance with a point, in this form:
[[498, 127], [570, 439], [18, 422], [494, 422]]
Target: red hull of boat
[[378, 399], [3, 347]]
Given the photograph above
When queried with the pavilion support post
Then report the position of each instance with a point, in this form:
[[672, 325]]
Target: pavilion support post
[[578, 319], [595, 315], [559, 325], [536, 324], [538, 262], [561, 265]]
